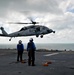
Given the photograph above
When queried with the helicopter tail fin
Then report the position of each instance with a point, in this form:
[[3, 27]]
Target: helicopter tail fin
[[3, 31]]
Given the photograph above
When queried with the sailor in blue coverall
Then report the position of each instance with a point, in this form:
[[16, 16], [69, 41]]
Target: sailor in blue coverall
[[20, 49], [31, 52]]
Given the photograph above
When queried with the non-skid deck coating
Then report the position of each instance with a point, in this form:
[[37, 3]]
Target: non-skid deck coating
[[62, 64]]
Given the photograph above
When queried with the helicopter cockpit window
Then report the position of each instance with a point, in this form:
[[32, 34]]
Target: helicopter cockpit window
[[23, 29]]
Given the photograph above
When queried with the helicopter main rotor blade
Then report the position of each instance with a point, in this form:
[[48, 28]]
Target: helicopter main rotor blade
[[18, 23], [33, 22]]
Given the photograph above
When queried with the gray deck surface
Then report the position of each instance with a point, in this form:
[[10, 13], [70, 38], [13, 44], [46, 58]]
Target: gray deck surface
[[62, 64]]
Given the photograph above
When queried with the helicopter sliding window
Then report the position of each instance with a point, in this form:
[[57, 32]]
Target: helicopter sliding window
[[43, 28], [38, 29]]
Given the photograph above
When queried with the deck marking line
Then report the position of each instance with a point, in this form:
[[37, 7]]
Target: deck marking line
[[51, 54]]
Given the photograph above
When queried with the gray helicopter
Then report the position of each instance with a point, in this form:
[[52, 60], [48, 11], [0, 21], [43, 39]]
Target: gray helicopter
[[32, 30]]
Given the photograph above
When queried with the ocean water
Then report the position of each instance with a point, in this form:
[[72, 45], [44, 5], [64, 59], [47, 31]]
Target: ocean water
[[49, 46]]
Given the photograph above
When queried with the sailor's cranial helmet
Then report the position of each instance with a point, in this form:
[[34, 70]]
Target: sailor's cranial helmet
[[20, 41], [31, 39]]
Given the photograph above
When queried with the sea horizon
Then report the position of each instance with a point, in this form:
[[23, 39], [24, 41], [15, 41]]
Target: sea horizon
[[48, 46]]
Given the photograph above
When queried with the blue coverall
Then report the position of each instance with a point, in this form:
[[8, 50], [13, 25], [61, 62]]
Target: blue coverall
[[20, 49], [31, 53]]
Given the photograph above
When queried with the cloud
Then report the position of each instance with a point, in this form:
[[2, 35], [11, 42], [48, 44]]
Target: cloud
[[55, 14], [44, 6]]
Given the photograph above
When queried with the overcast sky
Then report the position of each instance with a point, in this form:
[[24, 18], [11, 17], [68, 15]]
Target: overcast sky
[[55, 14]]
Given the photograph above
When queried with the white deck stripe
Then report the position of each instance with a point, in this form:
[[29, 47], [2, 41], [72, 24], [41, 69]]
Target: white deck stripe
[[51, 54]]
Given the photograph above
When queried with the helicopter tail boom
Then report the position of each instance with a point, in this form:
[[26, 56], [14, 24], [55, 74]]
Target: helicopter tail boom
[[4, 33]]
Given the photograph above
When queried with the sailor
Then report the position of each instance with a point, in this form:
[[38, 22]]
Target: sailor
[[31, 52], [20, 49]]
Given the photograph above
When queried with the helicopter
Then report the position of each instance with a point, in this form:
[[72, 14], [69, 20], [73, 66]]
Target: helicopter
[[32, 30]]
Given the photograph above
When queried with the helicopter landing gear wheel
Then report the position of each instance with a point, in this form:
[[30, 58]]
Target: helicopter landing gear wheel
[[41, 36], [37, 35]]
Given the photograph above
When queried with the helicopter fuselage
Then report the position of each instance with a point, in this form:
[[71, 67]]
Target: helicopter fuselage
[[32, 30]]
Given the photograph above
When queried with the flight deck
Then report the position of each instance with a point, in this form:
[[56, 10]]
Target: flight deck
[[62, 63]]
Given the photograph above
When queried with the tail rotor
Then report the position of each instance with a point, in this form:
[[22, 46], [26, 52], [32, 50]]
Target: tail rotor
[[1, 28]]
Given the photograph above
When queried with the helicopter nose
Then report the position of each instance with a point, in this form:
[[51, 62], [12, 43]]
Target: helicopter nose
[[53, 31], [48, 31]]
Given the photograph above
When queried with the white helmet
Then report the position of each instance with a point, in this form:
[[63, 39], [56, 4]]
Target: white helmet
[[31, 39], [20, 41]]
